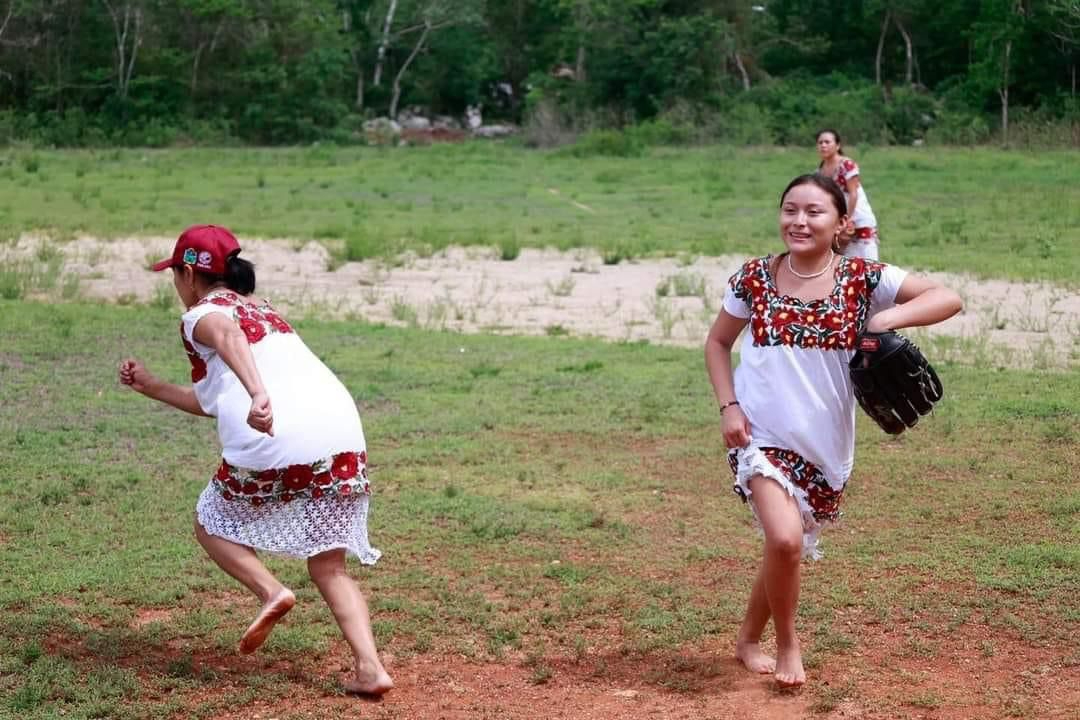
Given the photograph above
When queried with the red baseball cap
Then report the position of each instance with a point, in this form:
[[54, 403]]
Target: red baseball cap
[[205, 247]]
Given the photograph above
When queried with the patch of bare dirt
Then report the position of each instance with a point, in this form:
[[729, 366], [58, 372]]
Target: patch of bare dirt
[[146, 616], [881, 679], [550, 292], [968, 673], [681, 686], [10, 360]]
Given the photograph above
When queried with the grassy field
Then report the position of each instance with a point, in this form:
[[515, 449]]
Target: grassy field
[[991, 213], [540, 501]]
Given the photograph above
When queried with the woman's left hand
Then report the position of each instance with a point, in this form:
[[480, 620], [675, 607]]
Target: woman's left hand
[[261, 415]]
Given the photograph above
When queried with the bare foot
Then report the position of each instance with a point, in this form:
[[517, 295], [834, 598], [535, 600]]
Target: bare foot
[[751, 655], [789, 668], [274, 609], [372, 681]]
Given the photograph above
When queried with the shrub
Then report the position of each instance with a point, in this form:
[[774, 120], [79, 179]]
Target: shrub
[[958, 128], [611, 143], [743, 124], [361, 246], [1044, 128], [660, 132], [909, 114], [509, 248]]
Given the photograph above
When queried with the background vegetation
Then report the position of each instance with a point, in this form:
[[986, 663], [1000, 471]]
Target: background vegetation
[[151, 72]]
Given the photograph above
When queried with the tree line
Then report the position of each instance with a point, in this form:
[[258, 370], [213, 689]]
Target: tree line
[[87, 72]]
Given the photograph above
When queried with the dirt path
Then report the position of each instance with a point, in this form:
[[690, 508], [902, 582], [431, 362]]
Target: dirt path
[[669, 301]]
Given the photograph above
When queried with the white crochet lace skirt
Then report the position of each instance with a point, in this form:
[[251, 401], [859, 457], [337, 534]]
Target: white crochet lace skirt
[[299, 529]]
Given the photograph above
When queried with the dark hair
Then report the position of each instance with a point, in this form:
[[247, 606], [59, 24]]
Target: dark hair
[[239, 275], [836, 136], [825, 183]]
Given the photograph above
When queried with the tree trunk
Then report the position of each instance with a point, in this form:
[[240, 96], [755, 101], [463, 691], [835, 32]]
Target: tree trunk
[[121, 44], [377, 79], [346, 26], [195, 68], [742, 71], [881, 46], [198, 55], [1003, 93], [405, 66], [907, 50], [136, 41], [11, 9], [125, 66], [579, 67]]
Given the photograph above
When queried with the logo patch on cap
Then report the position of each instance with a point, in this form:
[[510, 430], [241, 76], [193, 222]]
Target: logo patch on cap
[[189, 256], [205, 259]]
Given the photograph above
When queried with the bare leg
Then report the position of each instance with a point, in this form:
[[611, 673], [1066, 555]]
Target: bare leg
[[242, 563], [351, 612], [748, 644], [779, 516]]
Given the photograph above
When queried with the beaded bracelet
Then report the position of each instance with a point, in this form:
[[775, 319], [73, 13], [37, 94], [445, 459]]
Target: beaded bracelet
[[726, 405]]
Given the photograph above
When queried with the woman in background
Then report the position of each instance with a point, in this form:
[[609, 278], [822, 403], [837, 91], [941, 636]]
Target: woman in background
[[862, 235]]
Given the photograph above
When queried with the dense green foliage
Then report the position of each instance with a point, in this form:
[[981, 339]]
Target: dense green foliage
[[151, 72]]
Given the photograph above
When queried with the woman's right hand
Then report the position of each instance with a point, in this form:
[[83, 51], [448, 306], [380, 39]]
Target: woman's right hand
[[134, 374], [261, 415], [736, 427]]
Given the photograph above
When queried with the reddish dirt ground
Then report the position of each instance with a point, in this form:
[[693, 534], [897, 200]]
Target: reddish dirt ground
[[882, 683], [951, 675], [453, 688]]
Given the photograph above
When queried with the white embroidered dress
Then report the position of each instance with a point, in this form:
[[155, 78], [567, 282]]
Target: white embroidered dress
[[866, 240], [793, 382], [304, 490]]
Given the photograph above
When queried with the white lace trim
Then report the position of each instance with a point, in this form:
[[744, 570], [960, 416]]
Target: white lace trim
[[752, 462], [299, 529]]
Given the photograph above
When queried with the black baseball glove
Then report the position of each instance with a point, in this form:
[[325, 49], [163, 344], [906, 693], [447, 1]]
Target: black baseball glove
[[893, 381]]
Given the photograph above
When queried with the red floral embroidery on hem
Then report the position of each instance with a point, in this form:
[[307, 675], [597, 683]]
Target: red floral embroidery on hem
[[824, 501], [344, 474]]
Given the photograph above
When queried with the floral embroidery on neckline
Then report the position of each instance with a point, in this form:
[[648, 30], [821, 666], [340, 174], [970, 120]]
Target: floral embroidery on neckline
[[840, 274], [257, 322], [829, 323]]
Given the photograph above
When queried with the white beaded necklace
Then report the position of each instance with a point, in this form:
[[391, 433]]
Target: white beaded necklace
[[811, 276]]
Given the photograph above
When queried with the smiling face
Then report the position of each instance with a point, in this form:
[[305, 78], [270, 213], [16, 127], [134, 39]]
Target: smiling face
[[809, 220], [827, 145]]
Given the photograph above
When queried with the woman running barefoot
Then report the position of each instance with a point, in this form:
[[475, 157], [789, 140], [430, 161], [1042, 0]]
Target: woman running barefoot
[[789, 409], [292, 479]]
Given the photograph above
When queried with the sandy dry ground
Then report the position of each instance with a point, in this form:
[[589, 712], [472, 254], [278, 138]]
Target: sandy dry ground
[[557, 293]]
